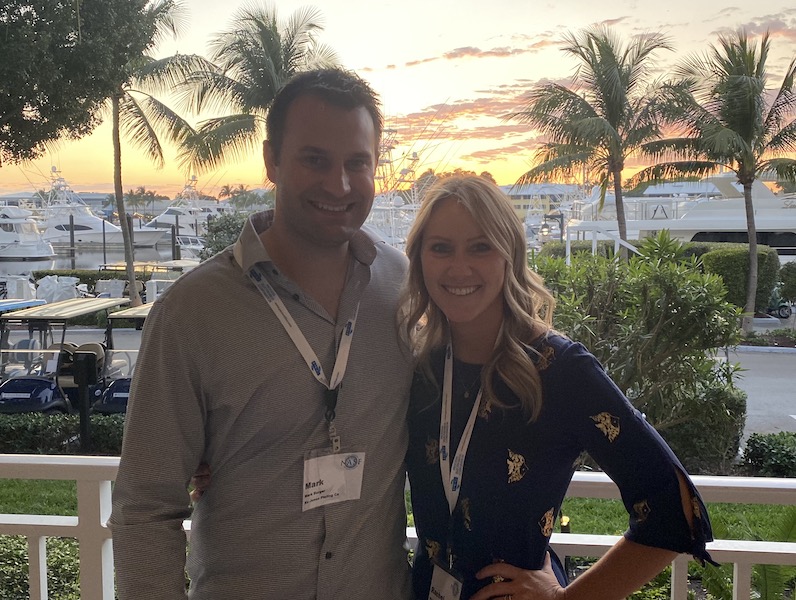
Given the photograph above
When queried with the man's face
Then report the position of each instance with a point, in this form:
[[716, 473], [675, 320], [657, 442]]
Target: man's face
[[325, 173]]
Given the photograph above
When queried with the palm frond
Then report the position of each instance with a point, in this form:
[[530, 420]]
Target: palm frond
[[163, 76], [674, 170], [785, 168], [138, 130], [220, 140]]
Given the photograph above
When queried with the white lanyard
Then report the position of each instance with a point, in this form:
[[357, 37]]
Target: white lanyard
[[452, 475], [306, 351]]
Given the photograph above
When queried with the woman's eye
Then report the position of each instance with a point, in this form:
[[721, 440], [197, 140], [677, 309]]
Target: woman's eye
[[481, 247], [439, 248]]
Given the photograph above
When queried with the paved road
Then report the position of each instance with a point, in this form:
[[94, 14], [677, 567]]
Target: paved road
[[769, 379]]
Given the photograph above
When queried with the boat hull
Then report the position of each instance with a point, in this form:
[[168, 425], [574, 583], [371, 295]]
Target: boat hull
[[141, 239]]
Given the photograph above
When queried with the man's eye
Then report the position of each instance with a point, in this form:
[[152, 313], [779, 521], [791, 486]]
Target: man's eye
[[359, 164], [313, 161]]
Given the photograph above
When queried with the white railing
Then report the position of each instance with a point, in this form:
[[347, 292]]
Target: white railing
[[94, 476]]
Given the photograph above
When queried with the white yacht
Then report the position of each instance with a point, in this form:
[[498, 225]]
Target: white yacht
[[717, 214], [62, 203], [20, 239], [188, 213]]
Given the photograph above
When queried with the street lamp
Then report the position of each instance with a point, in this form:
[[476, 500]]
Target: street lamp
[[556, 217]]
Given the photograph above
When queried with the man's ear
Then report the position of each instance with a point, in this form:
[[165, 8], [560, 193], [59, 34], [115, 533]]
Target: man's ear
[[271, 170]]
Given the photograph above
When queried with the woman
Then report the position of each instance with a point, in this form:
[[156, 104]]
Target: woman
[[502, 406]]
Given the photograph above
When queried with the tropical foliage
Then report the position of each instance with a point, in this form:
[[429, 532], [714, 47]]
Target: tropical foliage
[[60, 63], [251, 60], [242, 198], [601, 121], [222, 232], [726, 118], [654, 323]]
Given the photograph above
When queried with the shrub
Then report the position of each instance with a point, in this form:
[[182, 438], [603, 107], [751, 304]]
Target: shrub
[[710, 450], [35, 433], [654, 323], [771, 454], [222, 231], [732, 264], [787, 275], [63, 581]]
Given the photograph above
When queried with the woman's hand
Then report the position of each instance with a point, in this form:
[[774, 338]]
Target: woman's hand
[[519, 584]]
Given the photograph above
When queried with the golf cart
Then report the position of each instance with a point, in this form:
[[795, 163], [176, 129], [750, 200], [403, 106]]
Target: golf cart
[[40, 374], [113, 399]]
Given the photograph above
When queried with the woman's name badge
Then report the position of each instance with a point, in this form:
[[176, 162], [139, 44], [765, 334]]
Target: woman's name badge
[[445, 585], [331, 478]]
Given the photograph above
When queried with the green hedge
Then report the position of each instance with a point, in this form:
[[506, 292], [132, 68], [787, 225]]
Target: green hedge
[[63, 568], [90, 276], [36, 433], [771, 454], [732, 264], [787, 275]]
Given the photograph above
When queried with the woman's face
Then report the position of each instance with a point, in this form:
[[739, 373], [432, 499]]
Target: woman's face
[[462, 270]]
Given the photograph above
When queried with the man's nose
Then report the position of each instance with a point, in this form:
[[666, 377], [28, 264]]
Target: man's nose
[[337, 182]]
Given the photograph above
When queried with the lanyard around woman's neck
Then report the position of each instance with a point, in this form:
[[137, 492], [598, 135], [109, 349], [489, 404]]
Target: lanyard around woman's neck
[[306, 351], [452, 473]]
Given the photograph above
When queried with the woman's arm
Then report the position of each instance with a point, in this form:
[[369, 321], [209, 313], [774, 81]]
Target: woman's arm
[[621, 571]]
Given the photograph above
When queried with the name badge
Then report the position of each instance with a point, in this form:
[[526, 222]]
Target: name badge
[[444, 584], [331, 478]]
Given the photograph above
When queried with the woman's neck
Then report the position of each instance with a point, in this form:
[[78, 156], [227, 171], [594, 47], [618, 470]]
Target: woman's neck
[[474, 343]]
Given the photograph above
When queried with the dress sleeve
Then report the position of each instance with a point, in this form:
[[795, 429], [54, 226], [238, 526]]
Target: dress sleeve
[[162, 446], [635, 457]]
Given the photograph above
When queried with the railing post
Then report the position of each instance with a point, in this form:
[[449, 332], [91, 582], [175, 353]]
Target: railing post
[[96, 549], [680, 578], [741, 581], [37, 567]]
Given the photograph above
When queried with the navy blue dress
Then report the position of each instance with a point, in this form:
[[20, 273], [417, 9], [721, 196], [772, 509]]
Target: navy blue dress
[[516, 474]]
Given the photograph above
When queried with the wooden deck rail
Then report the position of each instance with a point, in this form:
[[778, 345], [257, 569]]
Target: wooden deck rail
[[94, 476]]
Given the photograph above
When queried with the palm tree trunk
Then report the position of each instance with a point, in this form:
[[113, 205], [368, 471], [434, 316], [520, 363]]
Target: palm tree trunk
[[620, 212], [751, 284], [135, 298]]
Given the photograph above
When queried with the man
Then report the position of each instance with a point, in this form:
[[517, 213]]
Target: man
[[240, 368]]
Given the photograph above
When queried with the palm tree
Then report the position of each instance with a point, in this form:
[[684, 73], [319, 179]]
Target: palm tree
[[254, 58], [226, 191], [604, 120], [137, 112], [725, 118]]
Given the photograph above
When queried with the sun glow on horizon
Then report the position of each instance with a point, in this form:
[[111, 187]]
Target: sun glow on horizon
[[447, 79]]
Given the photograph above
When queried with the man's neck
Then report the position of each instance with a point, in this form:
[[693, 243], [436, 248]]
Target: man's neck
[[319, 271]]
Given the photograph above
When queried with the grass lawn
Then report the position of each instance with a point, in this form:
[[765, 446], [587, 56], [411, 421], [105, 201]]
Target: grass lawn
[[38, 497]]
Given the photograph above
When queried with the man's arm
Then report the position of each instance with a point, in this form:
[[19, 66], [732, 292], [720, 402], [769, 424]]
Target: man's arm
[[163, 444]]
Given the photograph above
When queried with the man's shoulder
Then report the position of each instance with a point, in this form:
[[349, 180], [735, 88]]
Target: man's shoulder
[[386, 255], [210, 276]]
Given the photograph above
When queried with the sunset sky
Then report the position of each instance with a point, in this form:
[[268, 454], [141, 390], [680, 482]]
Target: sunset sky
[[447, 71]]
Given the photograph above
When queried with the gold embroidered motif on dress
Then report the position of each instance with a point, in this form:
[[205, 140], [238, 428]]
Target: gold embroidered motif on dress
[[695, 507], [545, 357], [485, 409], [608, 424], [432, 451], [433, 549], [464, 503], [546, 523], [517, 466], [642, 510]]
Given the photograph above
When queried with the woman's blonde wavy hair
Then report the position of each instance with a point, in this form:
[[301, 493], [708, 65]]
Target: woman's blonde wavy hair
[[528, 305]]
